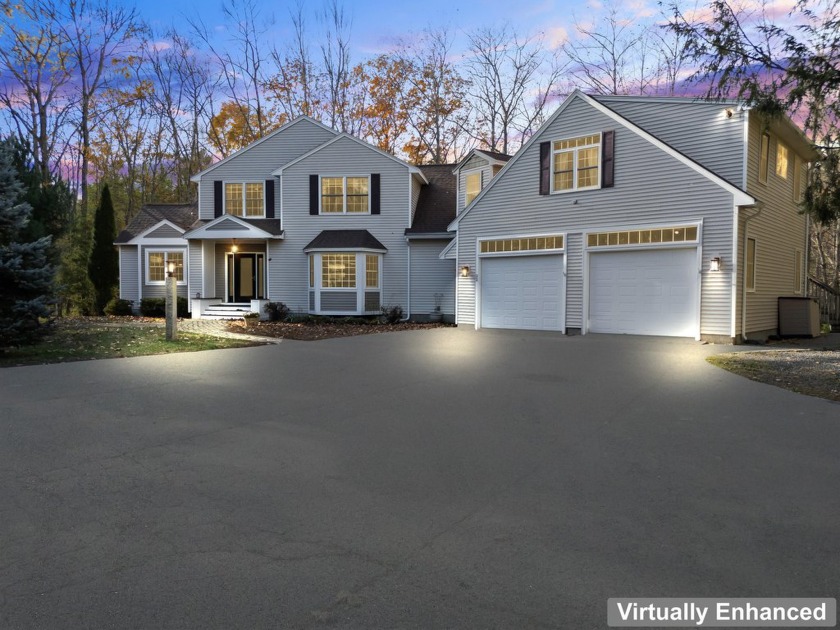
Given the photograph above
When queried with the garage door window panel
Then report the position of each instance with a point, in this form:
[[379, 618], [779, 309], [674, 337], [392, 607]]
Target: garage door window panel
[[650, 236]]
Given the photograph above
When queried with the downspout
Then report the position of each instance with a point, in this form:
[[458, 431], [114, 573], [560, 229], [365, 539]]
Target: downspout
[[758, 209], [408, 283]]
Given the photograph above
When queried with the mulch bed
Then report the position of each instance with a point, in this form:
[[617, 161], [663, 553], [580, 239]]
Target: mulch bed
[[324, 330]]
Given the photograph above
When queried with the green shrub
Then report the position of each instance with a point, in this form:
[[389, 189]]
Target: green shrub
[[392, 314], [277, 311], [119, 307], [156, 307]]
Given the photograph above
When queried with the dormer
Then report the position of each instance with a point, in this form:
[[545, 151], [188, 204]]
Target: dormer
[[474, 172]]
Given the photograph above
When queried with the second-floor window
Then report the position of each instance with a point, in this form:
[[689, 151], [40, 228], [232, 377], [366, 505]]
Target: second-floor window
[[473, 187], [246, 199], [782, 160], [345, 195], [576, 163], [764, 158]]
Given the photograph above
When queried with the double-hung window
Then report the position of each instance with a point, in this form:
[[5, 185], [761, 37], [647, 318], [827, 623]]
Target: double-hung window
[[345, 195], [245, 199], [345, 283], [576, 163], [157, 263]]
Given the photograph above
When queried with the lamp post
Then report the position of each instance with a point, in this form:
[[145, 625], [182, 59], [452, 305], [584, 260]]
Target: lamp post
[[171, 303]]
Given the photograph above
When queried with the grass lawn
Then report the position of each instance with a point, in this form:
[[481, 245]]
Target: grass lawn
[[74, 340]]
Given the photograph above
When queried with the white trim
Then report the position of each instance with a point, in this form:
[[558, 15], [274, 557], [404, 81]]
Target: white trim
[[343, 250], [740, 197], [446, 251], [575, 188], [197, 177], [184, 250], [526, 252], [229, 258], [491, 160], [746, 148], [412, 169], [361, 288], [144, 234], [251, 231], [736, 221]]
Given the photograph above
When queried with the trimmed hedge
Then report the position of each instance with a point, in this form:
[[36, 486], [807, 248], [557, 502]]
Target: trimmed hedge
[[156, 307]]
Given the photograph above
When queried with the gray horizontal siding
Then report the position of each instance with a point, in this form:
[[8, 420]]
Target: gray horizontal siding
[[574, 280], [779, 230], [164, 231], [338, 301], [697, 129], [256, 163], [651, 188], [129, 271], [475, 163], [430, 275], [372, 302], [289, 271]]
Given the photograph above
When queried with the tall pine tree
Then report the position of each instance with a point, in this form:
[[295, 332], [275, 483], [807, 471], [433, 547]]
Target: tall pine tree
[[26, 277], [104, 265]]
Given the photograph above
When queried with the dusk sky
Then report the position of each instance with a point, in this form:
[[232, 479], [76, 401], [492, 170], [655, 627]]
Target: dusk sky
[[376, 24]]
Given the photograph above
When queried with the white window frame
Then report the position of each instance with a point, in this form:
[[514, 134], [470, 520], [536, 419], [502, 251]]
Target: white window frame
[[344, 211], [244, 185], [797, 271], [575, 151], [361, 288], [165, 251], [782, 148], [764, 159], [467, 175], [750, 262]]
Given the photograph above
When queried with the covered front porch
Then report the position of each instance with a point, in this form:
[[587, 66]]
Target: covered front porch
[[229, 267]]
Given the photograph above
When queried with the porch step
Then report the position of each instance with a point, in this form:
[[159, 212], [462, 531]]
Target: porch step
[[225, 311]]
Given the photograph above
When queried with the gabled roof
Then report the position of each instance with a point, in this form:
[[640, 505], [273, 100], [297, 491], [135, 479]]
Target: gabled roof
[[436, 204], [229, 226], [341, 136], [741, 198], [197, 177], [182, 215], [355, 240], [498, 159]]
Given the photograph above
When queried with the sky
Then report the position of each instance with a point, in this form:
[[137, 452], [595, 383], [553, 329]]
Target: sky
[[377, 24]]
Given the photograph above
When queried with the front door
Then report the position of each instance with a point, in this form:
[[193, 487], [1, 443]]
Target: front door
[[245, 273]]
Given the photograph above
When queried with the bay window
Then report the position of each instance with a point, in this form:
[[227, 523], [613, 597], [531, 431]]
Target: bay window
[[344, 283]]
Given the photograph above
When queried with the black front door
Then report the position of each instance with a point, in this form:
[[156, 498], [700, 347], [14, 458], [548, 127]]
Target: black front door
[[245, 277]]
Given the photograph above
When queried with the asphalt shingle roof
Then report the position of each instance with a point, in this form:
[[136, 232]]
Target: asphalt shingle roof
[[181, 214], [345, 239], [436, 205]]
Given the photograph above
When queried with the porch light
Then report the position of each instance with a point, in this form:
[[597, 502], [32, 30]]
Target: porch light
[[465, 271], [715, 264], [234, 248]]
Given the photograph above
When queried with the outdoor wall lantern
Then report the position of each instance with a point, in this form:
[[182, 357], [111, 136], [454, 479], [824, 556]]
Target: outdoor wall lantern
[[234, 248], [465, 271], [715, 264]]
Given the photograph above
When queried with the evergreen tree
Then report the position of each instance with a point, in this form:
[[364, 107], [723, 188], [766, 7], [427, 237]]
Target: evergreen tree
[[104, 265], [26, 277]]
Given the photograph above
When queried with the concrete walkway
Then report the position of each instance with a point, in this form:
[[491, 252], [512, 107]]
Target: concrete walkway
[[443, 478]]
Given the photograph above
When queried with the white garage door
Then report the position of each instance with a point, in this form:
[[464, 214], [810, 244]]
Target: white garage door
[[644, 292], [522, 292]]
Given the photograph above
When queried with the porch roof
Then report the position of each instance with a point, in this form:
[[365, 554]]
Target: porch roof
[[345, 240], [228, 226]]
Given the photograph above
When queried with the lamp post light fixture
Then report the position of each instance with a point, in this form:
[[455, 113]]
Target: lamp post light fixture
[[171, 303], [715, 264]]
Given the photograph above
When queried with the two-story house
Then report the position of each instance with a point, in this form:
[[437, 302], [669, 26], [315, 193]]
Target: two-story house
[[316, 219], [654, 216]]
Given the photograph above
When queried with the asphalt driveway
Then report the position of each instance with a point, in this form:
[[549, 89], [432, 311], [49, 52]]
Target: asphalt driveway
[[429, 479]]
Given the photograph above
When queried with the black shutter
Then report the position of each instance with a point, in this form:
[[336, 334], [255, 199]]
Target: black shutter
[[374, 194], [218, 202], [314, 194], [608, 159], [269, 199], [545, 161]]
